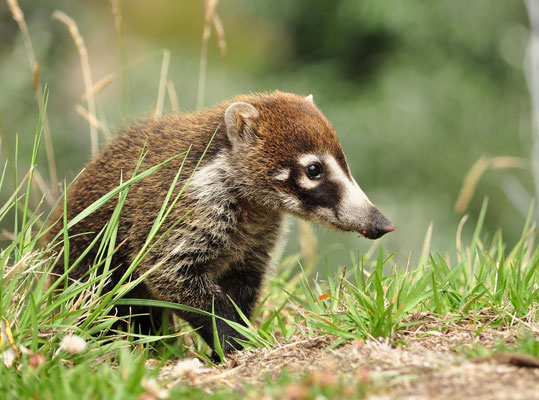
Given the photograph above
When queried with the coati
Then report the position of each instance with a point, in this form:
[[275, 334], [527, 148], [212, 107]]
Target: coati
[[270, 154]]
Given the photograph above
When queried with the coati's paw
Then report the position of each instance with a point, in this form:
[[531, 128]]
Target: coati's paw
[[230, 347]]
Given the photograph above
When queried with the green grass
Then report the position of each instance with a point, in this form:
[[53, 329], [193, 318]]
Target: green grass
[[374, 301], [486, 281]]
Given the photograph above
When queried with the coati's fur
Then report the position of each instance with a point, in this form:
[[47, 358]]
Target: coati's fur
[[271, 153]]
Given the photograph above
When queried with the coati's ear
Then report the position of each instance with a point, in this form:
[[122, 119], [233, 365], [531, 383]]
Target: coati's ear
[[240, 120], [309, 98]]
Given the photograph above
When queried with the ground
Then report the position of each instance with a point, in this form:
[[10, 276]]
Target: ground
[[420, 363]]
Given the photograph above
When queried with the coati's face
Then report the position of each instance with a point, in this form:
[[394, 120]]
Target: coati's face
[[290, 158]]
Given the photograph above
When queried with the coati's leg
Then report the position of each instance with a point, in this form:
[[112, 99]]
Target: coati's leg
[[200, 291], [143, 319], [243, 280]]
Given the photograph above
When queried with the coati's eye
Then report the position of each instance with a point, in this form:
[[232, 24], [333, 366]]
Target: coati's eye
[[314, 170]]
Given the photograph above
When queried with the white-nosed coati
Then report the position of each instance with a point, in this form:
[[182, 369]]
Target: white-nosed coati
[[272, 153]]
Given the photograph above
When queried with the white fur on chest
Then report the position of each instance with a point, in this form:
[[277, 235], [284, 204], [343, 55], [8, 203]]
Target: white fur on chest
[[218, 227]]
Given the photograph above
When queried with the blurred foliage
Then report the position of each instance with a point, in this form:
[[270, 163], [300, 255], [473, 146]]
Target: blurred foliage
[[417, 90]]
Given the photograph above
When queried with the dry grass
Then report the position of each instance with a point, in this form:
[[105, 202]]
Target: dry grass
[[162, 84], [18, 16], [174, 103], [211, 18], [478, 170], [86, 74]]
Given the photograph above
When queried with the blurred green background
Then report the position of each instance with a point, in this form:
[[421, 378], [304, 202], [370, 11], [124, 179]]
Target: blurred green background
[[417, 90]]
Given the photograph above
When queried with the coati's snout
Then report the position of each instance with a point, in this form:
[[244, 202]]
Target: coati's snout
[[355, 213], [378, 225]]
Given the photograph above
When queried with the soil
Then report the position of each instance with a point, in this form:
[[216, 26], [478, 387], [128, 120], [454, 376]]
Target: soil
[[423, 362]]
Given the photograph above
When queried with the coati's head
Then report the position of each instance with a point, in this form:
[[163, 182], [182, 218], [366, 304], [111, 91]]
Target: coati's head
[[287, 156]]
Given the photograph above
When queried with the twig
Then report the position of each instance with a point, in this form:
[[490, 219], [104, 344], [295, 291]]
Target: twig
[[126, 85], [94, 121], [476, 172], [220, 32], [210, 18], [162, 84], [115, 8], [209, 6], [173, 96], [18, 16], [84, 114], [99, 86], [86, 74], [43, 187]]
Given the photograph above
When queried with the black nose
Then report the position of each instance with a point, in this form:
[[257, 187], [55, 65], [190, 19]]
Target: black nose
[[378, 225]]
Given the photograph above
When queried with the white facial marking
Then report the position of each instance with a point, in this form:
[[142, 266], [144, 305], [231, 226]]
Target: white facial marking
[[282, 174], [307, 183], [353, 192], [307, 159], [354, 201], [309, 98]]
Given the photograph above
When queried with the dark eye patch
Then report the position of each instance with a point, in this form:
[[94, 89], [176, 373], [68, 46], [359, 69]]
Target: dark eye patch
[[326, 194]]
